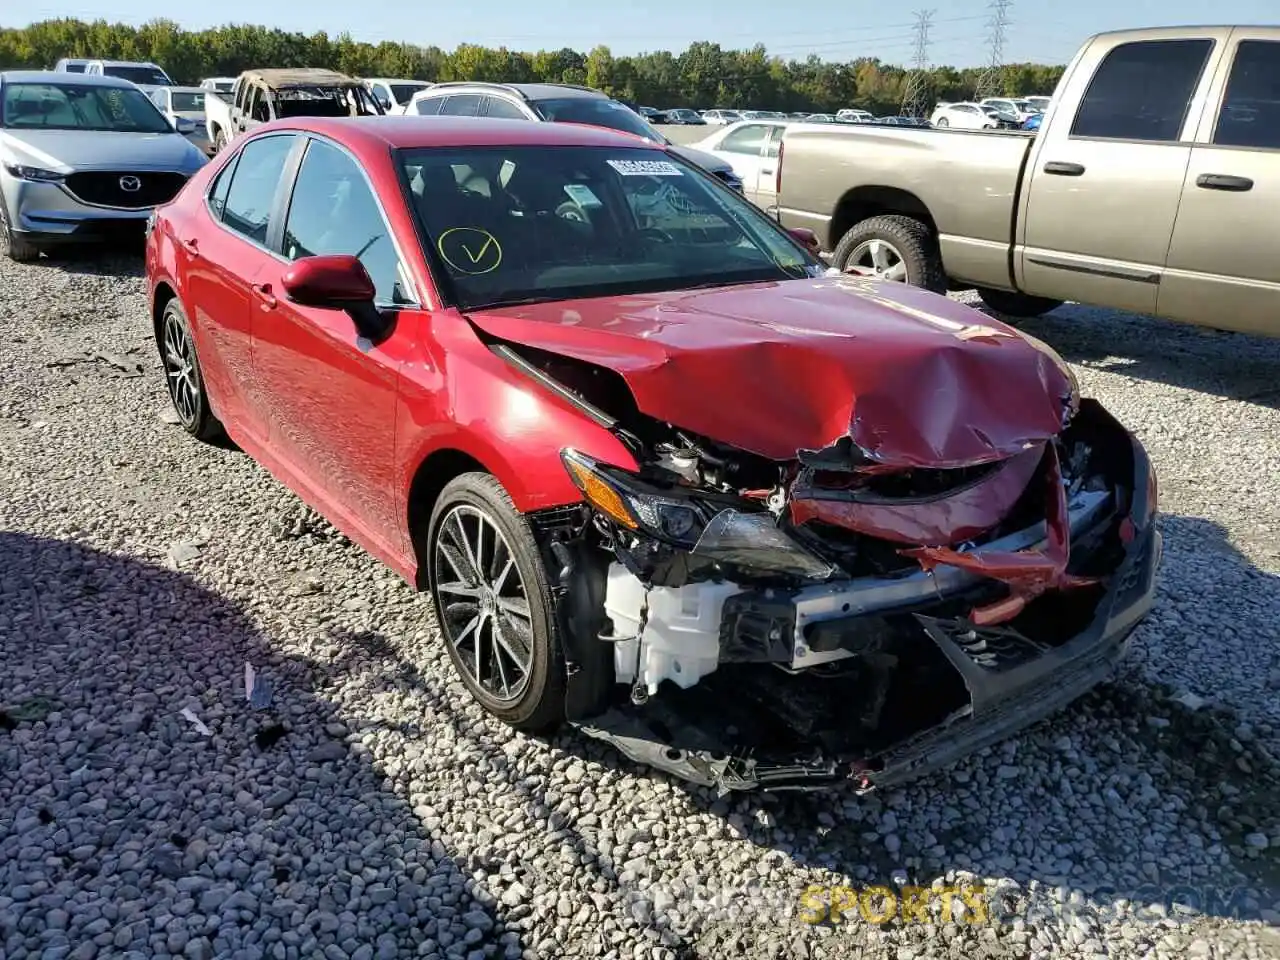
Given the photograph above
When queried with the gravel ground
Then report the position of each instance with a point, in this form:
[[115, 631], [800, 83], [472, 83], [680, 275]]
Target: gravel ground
[[369, 810]]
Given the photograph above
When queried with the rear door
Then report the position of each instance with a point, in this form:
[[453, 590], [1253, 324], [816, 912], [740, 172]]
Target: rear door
[[1224, 261], [222, 263], [1108, 173]]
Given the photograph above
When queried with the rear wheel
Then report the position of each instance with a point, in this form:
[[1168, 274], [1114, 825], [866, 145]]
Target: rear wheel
[[183, 375], [18, 251], [494, 604], [892, 247], [1019, 305]]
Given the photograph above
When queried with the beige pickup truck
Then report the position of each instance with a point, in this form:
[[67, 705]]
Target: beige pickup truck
[[1153, 185]]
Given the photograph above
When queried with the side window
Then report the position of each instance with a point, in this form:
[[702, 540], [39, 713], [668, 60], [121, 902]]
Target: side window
[[1142, 91], [221, 184], [461, 105], [253, 186], [260, 111], [242, 96], [428, 106], [333, 210], [775, 142], [1250, 115], [746, 140], [503, 110]]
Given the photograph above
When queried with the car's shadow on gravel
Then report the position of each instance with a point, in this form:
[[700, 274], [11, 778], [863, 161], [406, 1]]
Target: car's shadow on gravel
[[241, 829], [1232, 365]]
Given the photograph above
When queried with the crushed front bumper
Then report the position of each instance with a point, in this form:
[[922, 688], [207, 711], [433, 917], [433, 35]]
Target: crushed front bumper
[[1007, 689]]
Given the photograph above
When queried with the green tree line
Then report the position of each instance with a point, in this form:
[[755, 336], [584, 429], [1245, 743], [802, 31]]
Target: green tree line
[[703, 76]]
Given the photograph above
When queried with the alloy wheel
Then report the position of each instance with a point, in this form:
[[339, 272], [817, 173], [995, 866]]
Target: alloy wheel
[[482, 604], [879, 259], [180, 369]]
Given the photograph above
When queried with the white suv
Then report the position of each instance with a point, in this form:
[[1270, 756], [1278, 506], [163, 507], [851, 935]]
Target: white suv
[[145, 75]]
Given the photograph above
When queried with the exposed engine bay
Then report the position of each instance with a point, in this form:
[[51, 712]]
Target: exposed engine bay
[[843, 615]]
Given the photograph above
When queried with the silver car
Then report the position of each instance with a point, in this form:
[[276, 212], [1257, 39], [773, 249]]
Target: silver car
[[83, 158]]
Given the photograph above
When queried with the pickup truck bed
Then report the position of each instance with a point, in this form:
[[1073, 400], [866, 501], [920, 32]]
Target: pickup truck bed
[[1151, 186]]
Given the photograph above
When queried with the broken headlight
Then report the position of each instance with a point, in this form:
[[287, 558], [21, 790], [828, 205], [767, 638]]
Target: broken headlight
[[626, 500], [750, 540]]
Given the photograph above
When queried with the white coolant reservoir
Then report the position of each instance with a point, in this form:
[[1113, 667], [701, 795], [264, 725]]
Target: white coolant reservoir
[[681, 641]]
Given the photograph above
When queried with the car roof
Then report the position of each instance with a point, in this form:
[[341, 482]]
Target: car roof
[[125, 63], [405, 132], [185, 88], [300, 77], [530, 91], [62, 79]]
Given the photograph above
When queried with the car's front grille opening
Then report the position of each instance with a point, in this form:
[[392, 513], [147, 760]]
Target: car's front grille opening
[[125, 188]]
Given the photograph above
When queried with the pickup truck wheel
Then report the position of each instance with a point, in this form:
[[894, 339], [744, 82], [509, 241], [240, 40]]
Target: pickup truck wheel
[[1016, 304], [892, 247], [219, 141], [493, 603]]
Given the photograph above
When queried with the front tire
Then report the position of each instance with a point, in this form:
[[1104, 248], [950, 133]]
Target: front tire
[[1020, 305], [19, 251], [183, 375], [493, 603], [219, 141], [892, 247]]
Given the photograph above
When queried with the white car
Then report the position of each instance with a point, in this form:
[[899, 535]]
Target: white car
[[855, 116], [184, 106], [1022, 109], [1039, 103], [750, 147], [721, 117], [962, 116], [394, 95], [144, 74], [70, 65]]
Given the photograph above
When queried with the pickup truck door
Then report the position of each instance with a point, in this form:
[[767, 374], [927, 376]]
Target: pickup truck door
[[1106, 175], [1224, 262]]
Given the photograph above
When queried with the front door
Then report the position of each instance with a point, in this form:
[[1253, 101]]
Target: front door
[[1224, 261], [744, 150], [330, 394], [1105, 187]]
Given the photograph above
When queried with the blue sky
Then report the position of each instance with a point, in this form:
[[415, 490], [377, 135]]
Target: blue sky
[[1039, 30]]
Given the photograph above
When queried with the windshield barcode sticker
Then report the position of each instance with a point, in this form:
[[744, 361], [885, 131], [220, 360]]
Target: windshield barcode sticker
[[646, 168]]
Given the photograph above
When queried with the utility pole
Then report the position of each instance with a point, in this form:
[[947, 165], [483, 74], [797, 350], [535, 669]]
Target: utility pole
[[991, 81], [915, 95]]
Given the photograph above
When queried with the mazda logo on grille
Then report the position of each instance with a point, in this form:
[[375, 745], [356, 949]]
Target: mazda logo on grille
[[130, 184]]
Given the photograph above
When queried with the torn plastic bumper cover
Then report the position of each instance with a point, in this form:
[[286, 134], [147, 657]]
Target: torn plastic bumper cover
[[1010, 679]]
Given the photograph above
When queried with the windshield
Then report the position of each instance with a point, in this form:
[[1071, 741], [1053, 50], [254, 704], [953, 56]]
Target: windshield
[[49, 106], [403, 92], [598, 113], [147, 76], [186, 102], [525, 224]]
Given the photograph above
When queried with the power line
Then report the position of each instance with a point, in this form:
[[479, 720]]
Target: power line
[[915, 96], [991, 83]]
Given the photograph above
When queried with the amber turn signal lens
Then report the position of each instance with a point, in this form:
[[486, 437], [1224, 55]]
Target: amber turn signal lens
[[600, 495]]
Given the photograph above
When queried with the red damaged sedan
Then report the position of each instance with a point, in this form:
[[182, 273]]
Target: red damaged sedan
[[666, 477]]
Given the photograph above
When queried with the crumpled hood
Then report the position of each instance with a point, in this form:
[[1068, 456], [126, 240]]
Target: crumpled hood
[[914, 379]]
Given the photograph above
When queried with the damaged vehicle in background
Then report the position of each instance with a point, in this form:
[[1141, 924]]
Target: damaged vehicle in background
[[665, 476]]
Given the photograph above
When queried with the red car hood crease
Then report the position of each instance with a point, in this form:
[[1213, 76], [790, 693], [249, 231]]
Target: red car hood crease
[[915, 380]]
